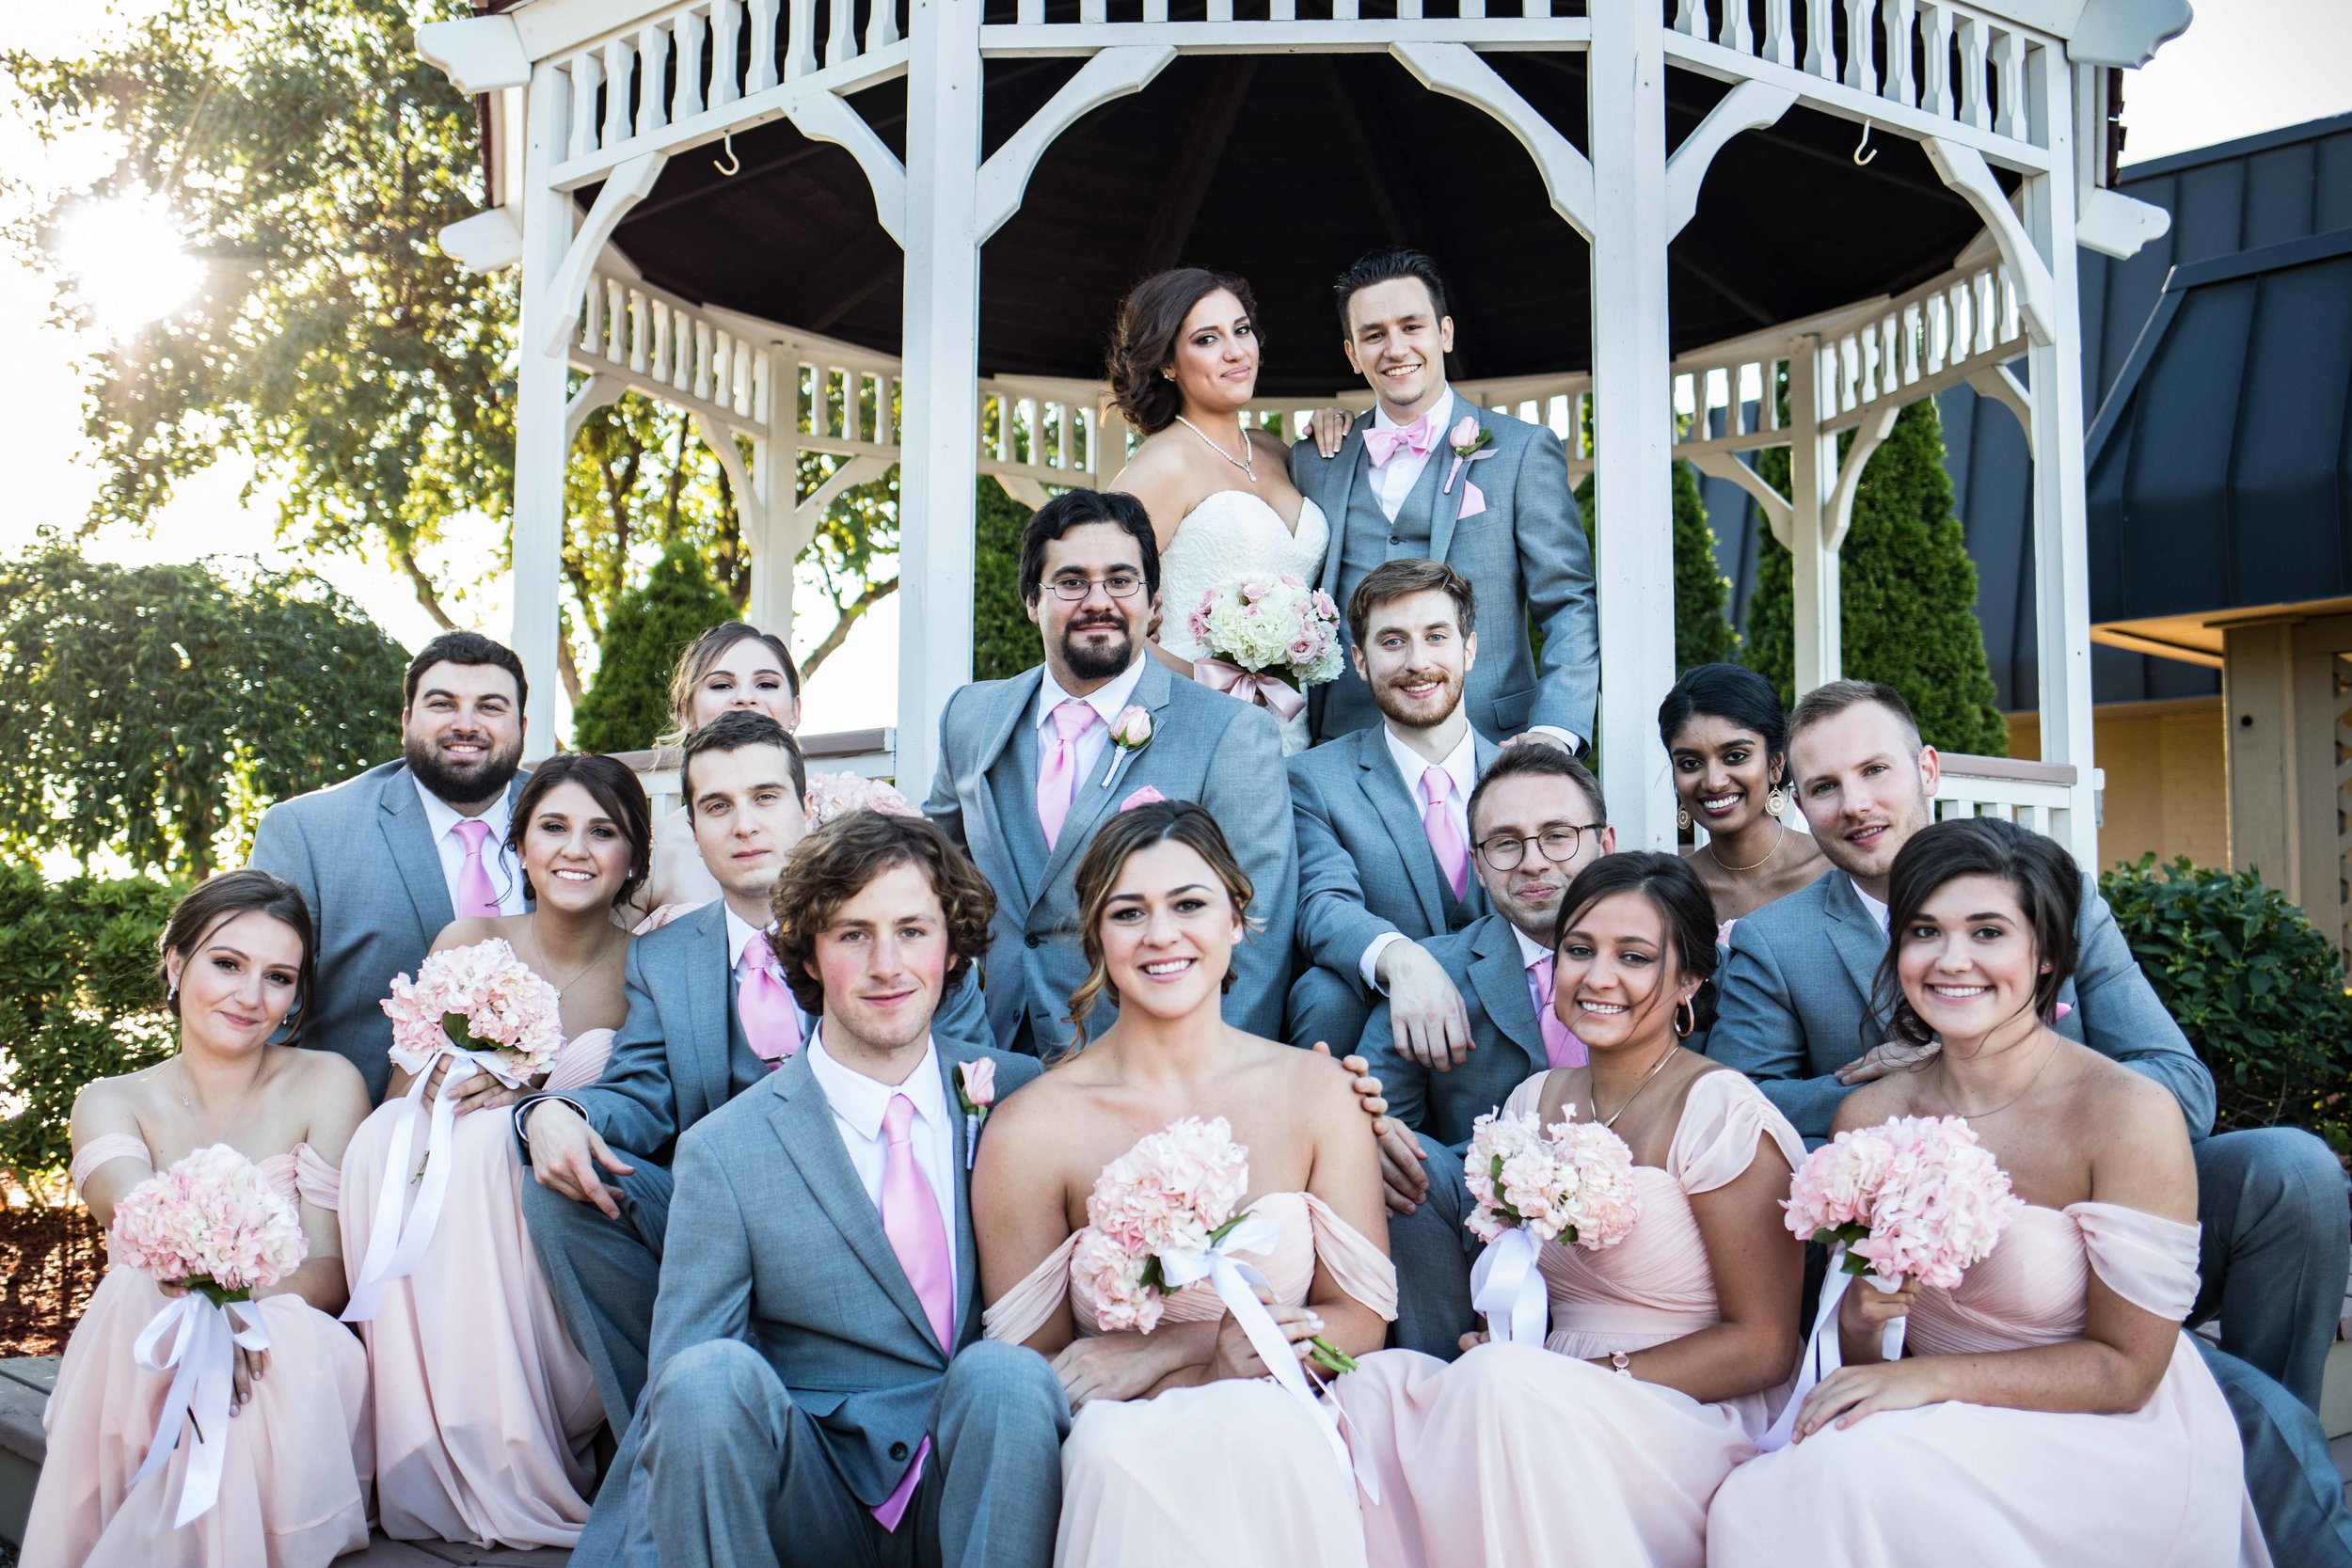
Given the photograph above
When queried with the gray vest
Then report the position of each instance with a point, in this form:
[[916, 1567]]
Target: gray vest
[[1370, 539], [745, 1067]]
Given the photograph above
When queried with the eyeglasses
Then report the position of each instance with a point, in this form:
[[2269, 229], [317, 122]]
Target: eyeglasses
[[1119, 585], [1506, 850]]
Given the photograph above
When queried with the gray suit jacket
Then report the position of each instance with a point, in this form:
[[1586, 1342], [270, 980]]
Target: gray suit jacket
[[773, 1242], [364, 856], [1205, 746], [1508, 1045], [1796, 990], [1527, 554], [1364, 863], [679, 1053]]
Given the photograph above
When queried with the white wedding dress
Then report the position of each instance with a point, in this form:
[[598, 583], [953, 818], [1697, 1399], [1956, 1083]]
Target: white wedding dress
[[1231, 532]]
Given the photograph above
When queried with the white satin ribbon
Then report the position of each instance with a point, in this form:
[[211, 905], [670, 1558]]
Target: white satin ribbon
[[1236, 1283], [1822, 1355], [204, 1364], [1508, 1288], [397, 1245]]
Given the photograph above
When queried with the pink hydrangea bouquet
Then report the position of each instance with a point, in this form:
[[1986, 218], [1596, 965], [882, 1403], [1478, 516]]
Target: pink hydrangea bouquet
[[480, 1000], [1915, 1197], [833, 795], [1268, 639], [212, 1224], [1571, 1183], [1159, 1217]]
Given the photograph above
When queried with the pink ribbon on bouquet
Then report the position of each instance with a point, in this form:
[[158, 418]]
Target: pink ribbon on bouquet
[[1267, 691]]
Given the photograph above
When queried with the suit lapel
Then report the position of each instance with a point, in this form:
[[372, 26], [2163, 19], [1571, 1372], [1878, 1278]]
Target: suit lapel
[[1860, 944], [802, 1119], [408, 837], [1092, 800], [1377, 775], [1446, 509], [1500, 981], [1008, 826], [709, 1000], [1339, 488]]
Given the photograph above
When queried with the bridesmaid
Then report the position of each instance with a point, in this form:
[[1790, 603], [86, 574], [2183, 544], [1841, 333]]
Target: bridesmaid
[[2048, 1409], [730, 666], [1183, 1451], [294, 1491], [1669, 1352], [485, 1414], [1727, 737]]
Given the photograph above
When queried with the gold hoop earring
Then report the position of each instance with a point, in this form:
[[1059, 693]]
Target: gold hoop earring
[[1682, 817], [1777, 799], [1686, 1019]]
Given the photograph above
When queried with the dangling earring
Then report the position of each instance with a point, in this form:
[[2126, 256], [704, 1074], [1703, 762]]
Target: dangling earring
[[171, 997], [1776, 799], [1686, 1019], [1682, 817]]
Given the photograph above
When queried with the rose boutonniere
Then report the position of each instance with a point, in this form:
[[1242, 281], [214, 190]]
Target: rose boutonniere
[[1469, 442], [975, 1091], [1131, 732]]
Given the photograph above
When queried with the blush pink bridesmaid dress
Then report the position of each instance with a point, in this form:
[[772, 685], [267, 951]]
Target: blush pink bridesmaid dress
[[1959, 1485], [1234, 1472], [294, 1491], [486, 1413], [1513, 1456]]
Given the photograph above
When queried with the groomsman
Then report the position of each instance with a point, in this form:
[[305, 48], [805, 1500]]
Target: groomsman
[[1796, 1007], [1536, 820], [820, 1392], [1502, 515], [438, 819], [1029, 766], [1382, 818]]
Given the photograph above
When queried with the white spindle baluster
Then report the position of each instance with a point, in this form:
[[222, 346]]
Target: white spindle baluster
[[882, 25], [761, 389], [1935, 58], [1862, 70], [763, 72], [800, 42], [1734, 34], [653, 55], [841, 38], [2009, 76], [592, 323], [1899, 86], [587, 73], [1406, 10], [726, 34], [687, 103], [1155, 10], [618, 57], [1691, 17], [853, 402], [1473, 9], [1821, 48], [1343, 10], [1973, 108], [1780, 38], [704, 349], [635, 330], [1091, 11], [1029, 12]]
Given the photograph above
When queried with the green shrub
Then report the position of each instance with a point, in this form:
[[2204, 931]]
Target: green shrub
[[2254, 985], [78, 1001], [628, 705], [1906, 591], [1004, 639], [1702, 631]]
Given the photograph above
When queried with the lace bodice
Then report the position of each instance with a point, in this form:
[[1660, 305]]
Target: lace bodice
[[1230, 533]]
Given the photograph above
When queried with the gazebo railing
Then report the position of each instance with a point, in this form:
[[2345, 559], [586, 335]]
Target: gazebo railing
[[870, 752], [660, 344], [2036, 794]]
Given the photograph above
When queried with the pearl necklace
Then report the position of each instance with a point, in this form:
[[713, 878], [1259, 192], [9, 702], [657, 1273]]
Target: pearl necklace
[[1246, 463]]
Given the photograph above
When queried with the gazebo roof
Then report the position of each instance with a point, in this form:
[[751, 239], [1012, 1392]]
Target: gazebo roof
[[1282, 168]]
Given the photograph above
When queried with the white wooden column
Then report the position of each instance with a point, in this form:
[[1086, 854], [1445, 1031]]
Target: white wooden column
[[542, 433], [1812, 545], [2061, 548], [938, 459], [775, 472], [1633, 418]]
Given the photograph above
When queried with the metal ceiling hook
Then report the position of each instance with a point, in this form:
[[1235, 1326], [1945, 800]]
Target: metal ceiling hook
[[1860, 161], [733, 165]]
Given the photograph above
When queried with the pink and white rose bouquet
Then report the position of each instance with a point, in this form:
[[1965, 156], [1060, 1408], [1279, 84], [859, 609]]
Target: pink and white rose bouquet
[[1915, 1198], [1571, 1183], [833, 795], [210, 1223], [481, 1000], [1267, 638], [1156, 1220]]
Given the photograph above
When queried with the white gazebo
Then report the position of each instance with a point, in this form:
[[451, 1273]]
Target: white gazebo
[[2006, 98]]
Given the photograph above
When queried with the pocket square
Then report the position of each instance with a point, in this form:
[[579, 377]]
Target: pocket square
[[1474, 500]]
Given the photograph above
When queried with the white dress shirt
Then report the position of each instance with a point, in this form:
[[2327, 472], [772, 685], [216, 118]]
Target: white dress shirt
[[1461, 771], [1394, 480], [506, 873], [859, 1104], [1878, 911], [1107, 700]]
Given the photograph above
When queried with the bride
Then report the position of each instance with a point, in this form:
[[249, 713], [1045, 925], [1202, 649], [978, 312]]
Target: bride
[[1184, 365]]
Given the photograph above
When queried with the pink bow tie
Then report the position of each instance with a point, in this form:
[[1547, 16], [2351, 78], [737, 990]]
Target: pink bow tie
[[1381, 445]]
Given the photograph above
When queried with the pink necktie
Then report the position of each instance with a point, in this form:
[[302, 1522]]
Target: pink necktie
[[910, 1216], [1444, 837], [1383, 444], [476, 898], [1561, 1047], [1057, 779], [764, 1002]]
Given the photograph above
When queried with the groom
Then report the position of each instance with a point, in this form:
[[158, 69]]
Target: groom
[[1503, 517]]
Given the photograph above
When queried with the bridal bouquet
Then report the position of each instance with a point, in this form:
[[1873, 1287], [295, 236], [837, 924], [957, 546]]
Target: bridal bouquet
[[210, 1223], [1161, 1217], [1571, 1183], [833, 795], [1268, 639], [487, 1011], [1915, 1197]]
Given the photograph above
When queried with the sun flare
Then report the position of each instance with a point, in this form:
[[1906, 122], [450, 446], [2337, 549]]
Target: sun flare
[[125, 260]]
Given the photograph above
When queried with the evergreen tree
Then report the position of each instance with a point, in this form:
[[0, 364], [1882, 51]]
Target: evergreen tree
[[1003, 639], [628, 705], [1703, 630], [1907, 593]]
